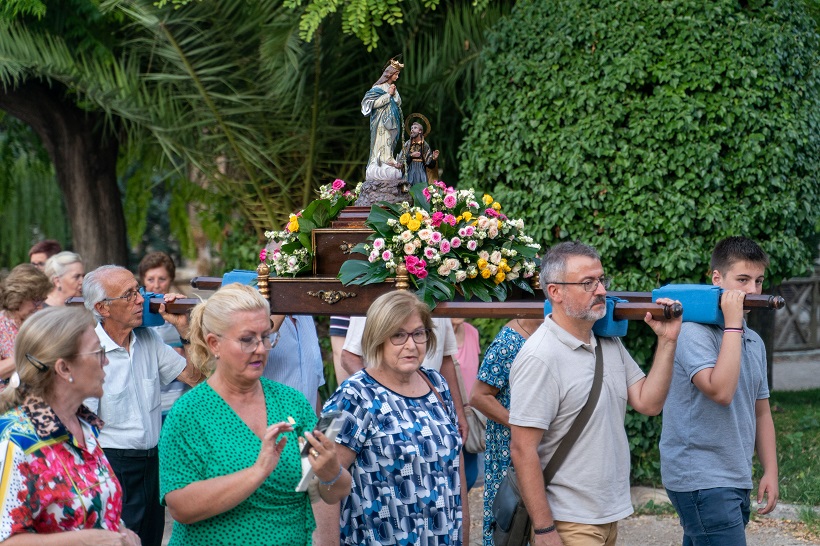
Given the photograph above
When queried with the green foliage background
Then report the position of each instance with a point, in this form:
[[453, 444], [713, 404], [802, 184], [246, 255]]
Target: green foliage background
[[651, 130]]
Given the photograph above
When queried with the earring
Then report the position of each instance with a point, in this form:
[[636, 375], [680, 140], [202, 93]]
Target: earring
[[216, 357], [70, 379]]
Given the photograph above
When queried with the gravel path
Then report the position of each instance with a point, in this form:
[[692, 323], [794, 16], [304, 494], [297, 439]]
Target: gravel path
[[784, 529]]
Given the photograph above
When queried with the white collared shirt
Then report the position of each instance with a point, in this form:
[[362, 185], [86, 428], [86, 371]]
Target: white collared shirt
[[130, 405]]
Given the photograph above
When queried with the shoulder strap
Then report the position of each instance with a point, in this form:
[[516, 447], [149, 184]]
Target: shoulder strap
[[432, 387], [581, 420]]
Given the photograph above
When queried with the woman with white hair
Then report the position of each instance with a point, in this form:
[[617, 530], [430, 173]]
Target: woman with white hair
[[57, 485], [229, 450], [65, 271]]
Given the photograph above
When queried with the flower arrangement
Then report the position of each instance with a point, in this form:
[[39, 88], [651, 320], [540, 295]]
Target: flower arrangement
[[448, 242], [292, 252]]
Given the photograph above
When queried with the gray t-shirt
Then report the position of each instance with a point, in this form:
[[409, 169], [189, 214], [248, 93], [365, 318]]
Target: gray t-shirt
[[703, 444], [550, 381]]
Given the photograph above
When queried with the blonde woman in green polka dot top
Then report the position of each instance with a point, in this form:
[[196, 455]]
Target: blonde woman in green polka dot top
[[229, 453]]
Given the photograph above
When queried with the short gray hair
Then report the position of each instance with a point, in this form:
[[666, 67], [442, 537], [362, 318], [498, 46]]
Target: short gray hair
[[93, 289], [554, 262], [56, 265]]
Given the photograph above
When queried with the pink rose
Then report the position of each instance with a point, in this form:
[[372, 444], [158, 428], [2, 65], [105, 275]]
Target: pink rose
[[469, 231], [450, 201], [387, 255], [449, 219], [471, 245], [421, 273], [338, 184], [426, 193], [263, 254], [435, 236], [455, 242], [410, 261], [440, 184], [436, 218], [444, 246], [491, 213]]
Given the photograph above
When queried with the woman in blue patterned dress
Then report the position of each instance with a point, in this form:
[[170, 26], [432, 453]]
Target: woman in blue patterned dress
[[491, 396], [400, 435]]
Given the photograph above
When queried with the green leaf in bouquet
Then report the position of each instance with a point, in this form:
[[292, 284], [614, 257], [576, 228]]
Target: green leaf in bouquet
[[419, 200], [352, 270], [362, 272]]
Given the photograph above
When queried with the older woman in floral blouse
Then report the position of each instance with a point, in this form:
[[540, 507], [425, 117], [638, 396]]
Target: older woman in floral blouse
[[56, 484]]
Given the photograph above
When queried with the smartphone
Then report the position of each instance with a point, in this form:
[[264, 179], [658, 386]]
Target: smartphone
[[324, 422]]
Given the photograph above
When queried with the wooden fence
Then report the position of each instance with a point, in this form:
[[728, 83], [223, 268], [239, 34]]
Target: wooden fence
[[797, 324]]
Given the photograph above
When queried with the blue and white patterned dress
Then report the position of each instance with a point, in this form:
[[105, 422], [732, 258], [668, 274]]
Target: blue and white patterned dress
[[406, 486], [495, 371]]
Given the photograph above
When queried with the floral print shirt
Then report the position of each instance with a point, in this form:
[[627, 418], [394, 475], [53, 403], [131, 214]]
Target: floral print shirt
[[8, 332], [48, 482]]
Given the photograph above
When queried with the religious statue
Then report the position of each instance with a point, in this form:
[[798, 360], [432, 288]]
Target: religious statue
[[383, 104], [416, 157]]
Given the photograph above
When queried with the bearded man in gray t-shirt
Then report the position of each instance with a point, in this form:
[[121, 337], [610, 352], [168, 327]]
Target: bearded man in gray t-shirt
[[550, 381]]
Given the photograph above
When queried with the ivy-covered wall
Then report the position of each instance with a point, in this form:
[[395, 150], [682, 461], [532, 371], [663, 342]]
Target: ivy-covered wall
[[651, 130]]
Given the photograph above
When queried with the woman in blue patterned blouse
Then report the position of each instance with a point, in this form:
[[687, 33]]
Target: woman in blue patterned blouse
[[400, 435], [491, 396]]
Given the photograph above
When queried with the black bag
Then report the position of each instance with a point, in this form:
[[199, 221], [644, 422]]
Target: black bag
[[512, 522]]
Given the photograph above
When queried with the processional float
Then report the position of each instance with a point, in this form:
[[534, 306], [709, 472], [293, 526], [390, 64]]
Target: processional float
[[392, 179]]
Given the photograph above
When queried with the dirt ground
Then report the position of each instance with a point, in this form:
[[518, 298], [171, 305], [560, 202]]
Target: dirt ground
[[665, 530]]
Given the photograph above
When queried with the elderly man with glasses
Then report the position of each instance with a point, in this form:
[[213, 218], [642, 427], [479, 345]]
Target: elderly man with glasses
[[139, 364], [550, 381]]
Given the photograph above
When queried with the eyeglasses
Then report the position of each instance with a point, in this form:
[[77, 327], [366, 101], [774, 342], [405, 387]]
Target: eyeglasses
[[419, 336], [590, 285], [100, 351], [248, 344], [128, 296]]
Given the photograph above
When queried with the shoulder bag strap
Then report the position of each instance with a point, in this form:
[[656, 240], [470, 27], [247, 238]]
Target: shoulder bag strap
[[581, 420], [432, 387]]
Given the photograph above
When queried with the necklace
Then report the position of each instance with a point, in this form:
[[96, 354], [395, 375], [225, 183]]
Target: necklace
[[522, 327]]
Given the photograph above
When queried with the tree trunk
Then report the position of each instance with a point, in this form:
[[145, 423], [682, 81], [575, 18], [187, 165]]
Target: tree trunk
[[85, 159]]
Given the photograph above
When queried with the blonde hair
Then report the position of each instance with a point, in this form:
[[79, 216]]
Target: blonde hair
[[385, 317], [24, 283], [44, 338], [216, 316]]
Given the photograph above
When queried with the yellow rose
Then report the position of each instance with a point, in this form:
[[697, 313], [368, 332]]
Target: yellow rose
[[293, 225], [482, 263], [404, 218], [467, 215], [496, 206], [472, 273], [419, 216], [499, 277], [413, 225], [486, 273], [487, 199]]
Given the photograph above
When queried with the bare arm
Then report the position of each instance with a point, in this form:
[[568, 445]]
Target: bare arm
[[767, 454], [720, 383], [524, 450], [483, 398], [201, 500], [648, 395], [351, 362], [83, 537], [6, 367]]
